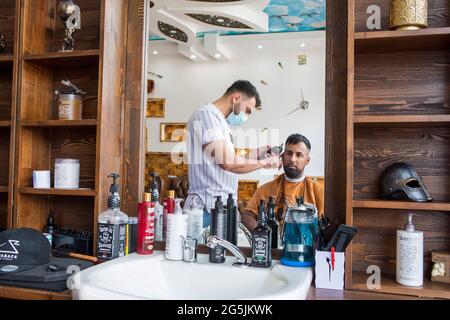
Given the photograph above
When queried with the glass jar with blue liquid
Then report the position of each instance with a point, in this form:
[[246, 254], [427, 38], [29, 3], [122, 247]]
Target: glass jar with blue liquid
[[299, 234]]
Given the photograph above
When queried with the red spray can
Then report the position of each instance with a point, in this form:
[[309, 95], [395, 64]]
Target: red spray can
[[146, 226]]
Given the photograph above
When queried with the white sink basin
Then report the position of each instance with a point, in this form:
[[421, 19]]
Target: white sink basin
[[153, 277]]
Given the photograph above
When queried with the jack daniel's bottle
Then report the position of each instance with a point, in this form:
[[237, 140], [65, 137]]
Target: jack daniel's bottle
[[112, 227], [262, 241]]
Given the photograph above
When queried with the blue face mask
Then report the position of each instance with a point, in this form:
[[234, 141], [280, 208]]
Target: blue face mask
[[237, 119]]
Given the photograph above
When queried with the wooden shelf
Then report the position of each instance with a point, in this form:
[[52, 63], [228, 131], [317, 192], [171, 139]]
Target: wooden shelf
[[401, 205], [400, 120], [402, 40], [6, 58], [5, 124], [3, 189], [59, 123], [65, 59], [429, 289], [9, 292], [59, 192]]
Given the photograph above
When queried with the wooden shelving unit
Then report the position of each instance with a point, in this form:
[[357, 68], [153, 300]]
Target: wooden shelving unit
[[401, 205], [388, 285], [402, 40], [59, 123], [398, 101], [31, 137], [9, 26], [60, 192]]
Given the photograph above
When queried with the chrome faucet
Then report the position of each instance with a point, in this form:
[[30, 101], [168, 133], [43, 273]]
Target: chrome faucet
[[214, 241], [247, 233]]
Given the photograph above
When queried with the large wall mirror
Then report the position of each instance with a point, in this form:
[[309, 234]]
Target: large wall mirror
[[196, 51]]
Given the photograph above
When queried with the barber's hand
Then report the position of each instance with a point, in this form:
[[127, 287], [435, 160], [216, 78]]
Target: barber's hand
[[272, 162], [263, 151]]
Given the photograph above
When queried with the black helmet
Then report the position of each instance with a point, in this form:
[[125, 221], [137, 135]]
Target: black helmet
[[400, 181]]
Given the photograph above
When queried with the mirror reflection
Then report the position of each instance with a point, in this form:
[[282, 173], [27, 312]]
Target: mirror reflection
[[235, 125]]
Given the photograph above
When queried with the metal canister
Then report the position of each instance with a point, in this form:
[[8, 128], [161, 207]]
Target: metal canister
[[409, 14], [70, 106]]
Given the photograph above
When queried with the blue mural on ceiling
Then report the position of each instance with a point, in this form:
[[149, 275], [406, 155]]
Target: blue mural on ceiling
[[289, 16], [296, 15]]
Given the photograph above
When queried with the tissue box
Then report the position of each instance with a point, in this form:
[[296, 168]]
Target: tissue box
[[442, 258], [327, 276]]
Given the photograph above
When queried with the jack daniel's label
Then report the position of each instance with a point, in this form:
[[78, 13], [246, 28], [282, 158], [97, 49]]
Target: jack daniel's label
[[112, 240], [260, 256]]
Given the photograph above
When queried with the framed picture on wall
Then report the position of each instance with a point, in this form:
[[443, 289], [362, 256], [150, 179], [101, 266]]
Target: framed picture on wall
[[173, 131], [156, 107], [246, 189]]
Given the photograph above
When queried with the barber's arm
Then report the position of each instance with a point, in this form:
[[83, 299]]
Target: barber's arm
[[224, 155], [250, 213]]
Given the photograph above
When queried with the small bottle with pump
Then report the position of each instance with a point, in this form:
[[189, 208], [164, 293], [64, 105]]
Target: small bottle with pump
[[410, 255], [159, 210], [231, 220], [219, 229], [262, 238], [112, 226], [177, 225], [169, 204], [273, 223], [146, 226], [193, 208]]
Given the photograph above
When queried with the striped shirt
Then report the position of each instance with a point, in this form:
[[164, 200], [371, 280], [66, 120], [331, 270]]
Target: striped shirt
[[206, 178]]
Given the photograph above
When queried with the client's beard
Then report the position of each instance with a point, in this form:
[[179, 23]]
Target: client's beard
[[292, 173]]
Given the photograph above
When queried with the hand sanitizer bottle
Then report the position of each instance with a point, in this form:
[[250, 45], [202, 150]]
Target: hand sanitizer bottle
[[112, 226], [410, 255]]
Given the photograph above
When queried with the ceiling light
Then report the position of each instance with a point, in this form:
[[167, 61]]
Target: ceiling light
[[214, 47], [302, 45], [193, 56], [260, 46], [155, 52]]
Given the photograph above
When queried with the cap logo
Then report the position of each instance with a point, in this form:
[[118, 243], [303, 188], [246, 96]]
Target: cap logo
[[8, 250]]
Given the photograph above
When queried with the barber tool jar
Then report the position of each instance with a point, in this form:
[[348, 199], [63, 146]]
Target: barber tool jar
[[70, 102]]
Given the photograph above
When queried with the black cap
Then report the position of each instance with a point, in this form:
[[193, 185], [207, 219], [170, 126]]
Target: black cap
[[22, 249]]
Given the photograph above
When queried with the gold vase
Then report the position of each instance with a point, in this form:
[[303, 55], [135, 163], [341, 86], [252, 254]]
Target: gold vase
[[409, 14]]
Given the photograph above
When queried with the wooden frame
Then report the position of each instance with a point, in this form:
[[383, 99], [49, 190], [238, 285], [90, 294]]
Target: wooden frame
[[156, 107], [35, 138], [170, 131], [358, 109]]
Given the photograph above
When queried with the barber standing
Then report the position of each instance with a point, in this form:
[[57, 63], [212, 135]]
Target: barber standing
[[213, 163]]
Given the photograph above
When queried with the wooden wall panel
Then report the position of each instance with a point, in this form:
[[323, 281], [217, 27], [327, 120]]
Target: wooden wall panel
[[134, 114], [336, 115], [4, 156], [6, 77], [426, 148], [7, 23], [3, 210], [375, 242], [403, 83]]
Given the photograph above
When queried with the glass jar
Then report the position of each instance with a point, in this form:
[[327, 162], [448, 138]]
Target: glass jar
[[67, 173]]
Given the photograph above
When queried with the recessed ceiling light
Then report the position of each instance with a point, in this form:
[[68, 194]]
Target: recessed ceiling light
[[155, 52], [217, 55], [260, 46], [302, 45], [193, 56]]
